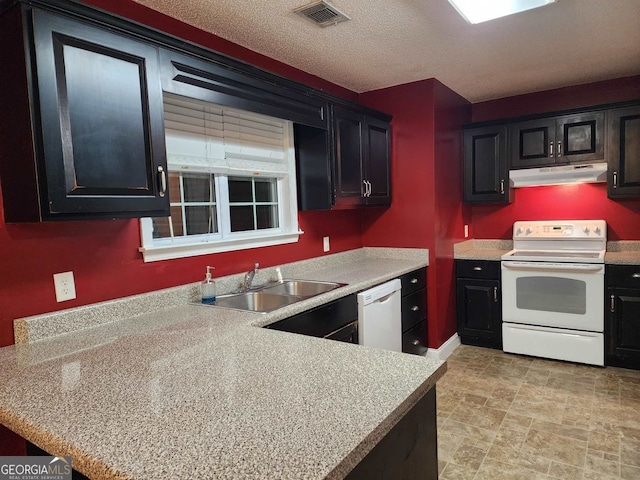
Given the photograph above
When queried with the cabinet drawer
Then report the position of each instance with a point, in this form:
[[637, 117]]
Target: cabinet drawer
[[321, 321], [413, 281], [626, 276], [414, 309], [415, 340], [478, 269]]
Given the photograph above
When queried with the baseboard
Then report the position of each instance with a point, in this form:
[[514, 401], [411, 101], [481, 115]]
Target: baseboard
[[445, 349]]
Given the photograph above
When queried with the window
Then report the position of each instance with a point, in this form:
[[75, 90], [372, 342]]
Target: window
[[231, 182]]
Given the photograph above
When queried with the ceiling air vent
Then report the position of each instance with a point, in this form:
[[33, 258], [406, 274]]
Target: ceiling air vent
[[321, 13]]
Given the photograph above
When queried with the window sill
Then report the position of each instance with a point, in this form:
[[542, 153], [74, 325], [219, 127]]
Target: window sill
[[168, 252]]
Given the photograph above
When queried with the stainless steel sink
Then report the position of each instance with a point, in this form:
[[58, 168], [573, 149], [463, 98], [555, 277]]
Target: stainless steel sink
[[255, 301], [271, 297], [302, 288]]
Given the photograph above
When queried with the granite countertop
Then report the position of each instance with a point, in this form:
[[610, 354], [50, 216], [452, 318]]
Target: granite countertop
[[623, 253], [193, 391], [482, 249]]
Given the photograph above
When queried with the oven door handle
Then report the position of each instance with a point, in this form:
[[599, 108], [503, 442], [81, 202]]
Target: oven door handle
[[553, 266]]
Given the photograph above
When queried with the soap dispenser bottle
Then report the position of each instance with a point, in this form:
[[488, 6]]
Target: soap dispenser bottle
[[208, 288]]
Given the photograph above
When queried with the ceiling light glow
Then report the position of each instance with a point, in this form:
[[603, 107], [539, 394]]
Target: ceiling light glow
[[477, 11]]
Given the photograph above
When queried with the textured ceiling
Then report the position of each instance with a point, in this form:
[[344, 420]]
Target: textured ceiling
[[390, 42]]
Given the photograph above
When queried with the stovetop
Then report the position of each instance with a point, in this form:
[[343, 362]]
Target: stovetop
[[576, 241]]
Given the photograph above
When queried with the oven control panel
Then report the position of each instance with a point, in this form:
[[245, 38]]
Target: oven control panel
[[595, 229]]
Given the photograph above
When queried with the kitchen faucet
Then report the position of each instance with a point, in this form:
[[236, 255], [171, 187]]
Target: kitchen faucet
[[248, 278]]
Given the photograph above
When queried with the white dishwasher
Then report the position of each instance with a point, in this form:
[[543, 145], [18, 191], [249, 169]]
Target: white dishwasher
[[379, 317]]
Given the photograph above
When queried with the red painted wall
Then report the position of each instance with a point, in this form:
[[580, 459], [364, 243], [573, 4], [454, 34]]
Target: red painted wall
[[608, 91], [426, 183], [559, 202]]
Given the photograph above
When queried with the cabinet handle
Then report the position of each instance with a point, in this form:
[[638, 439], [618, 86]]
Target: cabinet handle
[[559, 149], [495, 294], [635, 275], [501, 187], [367, 188], [613, 303], [477, 269], [163, 181], [414, 280], [415, 343], [551, 149], [615, 179], [415, 308]]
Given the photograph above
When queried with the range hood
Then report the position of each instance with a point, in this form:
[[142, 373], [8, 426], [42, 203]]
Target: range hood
[[566, 174]]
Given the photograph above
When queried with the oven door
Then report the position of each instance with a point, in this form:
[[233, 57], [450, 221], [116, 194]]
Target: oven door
[[562, 295]]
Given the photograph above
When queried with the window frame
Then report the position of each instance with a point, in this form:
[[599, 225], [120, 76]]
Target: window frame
[[157, 249]]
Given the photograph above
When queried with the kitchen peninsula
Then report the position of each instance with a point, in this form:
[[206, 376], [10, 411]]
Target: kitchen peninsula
[[193, 391]]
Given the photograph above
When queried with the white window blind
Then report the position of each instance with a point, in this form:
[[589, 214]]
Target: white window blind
[[206, 137], [232, 182]]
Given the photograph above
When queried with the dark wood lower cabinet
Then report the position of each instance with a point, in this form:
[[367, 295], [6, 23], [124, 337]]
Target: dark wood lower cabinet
[[622, 329], [478, 303], [414, 312]]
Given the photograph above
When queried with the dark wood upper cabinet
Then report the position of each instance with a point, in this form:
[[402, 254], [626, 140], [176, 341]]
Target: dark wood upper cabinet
[[623, 147], [558, 140], [220, 83], [89, 132], [377, 155], [362, 155], [486, 174]]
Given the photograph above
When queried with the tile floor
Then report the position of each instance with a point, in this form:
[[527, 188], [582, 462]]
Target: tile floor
[[504, 416]]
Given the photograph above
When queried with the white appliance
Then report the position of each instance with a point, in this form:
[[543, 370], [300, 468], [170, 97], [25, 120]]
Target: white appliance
[[379, 317], [561, 175], [553, 290]]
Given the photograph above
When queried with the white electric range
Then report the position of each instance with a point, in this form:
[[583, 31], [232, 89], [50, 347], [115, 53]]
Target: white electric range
[[553, 290]]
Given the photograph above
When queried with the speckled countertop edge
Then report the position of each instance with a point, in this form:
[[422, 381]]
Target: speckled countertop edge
[[41, 327], [108, 336]]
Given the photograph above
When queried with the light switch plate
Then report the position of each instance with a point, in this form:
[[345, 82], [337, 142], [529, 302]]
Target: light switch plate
[[325, 244], [65, 286]]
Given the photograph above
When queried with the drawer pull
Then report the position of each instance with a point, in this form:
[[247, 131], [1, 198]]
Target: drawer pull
[[477, 269], [414, 280], [495, 294], [415, 308], [551, 149], [415, 343], [635, 275]]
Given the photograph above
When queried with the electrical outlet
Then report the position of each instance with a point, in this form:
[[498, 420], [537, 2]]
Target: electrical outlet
[[65, 286], [325, 244]]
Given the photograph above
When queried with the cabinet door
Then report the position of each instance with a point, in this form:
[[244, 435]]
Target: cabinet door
[[623, 151], [377, 150], [349, 186], [485, 165], [479, 310], [580, 138], [533, 143], [623, 343], [101, 122]]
